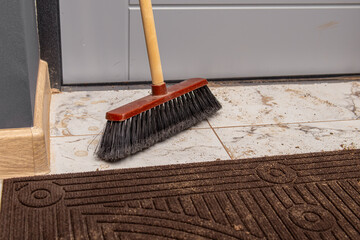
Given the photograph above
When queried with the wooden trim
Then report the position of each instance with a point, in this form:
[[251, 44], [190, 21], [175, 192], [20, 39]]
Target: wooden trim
[[16, 153], [41, 129], [26, 151]]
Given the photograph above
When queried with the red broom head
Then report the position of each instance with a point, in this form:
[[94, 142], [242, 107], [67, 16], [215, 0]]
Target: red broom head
[[143, 104]]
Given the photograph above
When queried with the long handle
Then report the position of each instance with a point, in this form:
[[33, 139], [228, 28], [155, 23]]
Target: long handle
[[151, 42]]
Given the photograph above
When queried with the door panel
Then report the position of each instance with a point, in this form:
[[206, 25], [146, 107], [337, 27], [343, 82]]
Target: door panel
[[232, 42], [103, 41], [248, 2], [94, 40]]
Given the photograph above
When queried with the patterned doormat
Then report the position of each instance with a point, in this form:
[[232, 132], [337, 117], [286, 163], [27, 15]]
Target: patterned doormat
[[308, 196]]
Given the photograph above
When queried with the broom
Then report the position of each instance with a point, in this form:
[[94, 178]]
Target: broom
[[154, 118]]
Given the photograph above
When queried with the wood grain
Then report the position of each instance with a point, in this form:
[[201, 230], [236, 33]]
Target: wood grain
[[151, 42], [26, 151], [16, 152], [41, 131]]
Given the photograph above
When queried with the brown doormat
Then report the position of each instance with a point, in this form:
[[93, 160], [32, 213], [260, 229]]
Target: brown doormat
[[308, 196]]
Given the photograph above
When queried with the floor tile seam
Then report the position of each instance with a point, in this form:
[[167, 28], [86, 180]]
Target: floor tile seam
[[222, 144], [235, 126], [285, 123]]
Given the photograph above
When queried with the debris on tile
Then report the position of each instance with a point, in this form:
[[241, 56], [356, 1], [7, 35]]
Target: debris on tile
[[93, 128], [100, 101], [55, 91], [351, 146], [104, 166], [197, 145], [81, 153], [295, 138]]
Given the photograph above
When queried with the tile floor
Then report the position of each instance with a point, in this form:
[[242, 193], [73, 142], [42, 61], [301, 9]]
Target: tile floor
[[256, 120]]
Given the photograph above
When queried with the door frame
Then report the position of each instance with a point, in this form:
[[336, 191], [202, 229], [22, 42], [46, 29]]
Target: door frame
[[48, 16]]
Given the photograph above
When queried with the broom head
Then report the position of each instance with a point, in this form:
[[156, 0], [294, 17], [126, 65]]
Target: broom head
[[154, 118]]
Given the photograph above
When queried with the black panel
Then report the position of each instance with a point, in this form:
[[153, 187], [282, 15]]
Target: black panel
[[50, 40]]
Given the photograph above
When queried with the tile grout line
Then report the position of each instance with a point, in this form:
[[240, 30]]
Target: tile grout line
[[235, 126], [289, 123], [223, 145]]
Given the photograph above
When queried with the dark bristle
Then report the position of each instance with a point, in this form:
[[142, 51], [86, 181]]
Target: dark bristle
[[123, 138]]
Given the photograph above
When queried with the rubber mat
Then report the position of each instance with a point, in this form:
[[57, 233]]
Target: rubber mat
[[308, 196]]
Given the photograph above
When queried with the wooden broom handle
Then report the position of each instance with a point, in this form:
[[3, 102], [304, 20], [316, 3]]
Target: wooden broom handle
[[151, 42]]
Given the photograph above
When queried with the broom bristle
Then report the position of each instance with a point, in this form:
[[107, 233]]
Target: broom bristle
[[123, 138]]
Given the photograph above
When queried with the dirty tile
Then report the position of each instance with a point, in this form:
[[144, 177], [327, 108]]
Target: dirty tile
[[258, 141], [287, 103], [83, 113], [76, 153]]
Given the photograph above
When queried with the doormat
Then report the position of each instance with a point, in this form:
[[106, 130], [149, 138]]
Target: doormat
[[307, 196]]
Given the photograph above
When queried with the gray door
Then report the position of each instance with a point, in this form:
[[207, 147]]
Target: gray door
[[102, 41]]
